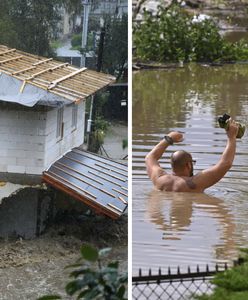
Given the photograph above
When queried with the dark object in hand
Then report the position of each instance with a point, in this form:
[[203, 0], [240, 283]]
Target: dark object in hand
[[224, 124]]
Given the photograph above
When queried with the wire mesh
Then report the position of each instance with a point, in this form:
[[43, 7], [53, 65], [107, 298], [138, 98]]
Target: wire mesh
[[177, 286]]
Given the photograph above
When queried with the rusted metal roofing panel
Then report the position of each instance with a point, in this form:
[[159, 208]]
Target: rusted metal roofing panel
[[56, 77], [99, 182]]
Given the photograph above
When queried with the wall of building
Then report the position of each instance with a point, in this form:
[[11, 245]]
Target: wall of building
[[55, 147], [22, 139], [28, 137]]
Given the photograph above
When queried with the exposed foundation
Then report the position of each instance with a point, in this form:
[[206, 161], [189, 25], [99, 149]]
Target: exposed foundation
[[25, 213]]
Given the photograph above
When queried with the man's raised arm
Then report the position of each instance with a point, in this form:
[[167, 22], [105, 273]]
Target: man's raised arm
[[212, 175], [152, 165]]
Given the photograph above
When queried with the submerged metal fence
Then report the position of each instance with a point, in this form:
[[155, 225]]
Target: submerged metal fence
[[177, 286]]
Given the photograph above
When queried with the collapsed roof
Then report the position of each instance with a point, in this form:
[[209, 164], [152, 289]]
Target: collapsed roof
[[99, 182], [29, 79]]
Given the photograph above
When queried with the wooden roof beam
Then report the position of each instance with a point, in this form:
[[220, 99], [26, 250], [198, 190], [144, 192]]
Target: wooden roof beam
[[47, 70], [55, 82], [23, 70], [7, 51], [42, 62], [11, 59]]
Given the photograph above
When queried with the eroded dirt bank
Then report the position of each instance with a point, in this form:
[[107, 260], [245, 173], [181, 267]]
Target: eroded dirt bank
[[32, 268]]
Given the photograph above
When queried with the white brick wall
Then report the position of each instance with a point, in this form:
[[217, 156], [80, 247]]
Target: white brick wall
[[54, 148], [28, 141], [21, 147]]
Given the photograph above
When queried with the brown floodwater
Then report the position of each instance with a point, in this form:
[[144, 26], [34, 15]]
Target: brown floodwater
[[171, 229]]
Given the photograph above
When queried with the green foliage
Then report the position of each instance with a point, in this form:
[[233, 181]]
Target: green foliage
[[95, 282], [100, 101], [76, 42], [101, 124], [124, 144], [29, 24], [115, 45], [232, 284], [100, 127], [173, 35]]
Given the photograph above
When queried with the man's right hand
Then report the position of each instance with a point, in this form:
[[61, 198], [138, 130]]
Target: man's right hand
[[176, 136], [233, 129]]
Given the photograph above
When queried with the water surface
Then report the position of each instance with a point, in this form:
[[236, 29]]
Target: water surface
[[171, 229]]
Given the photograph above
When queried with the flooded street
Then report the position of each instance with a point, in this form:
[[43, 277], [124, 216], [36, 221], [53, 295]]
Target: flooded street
[[171, 229]]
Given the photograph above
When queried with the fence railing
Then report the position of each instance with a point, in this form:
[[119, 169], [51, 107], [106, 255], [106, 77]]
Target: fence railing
[[176, 286]]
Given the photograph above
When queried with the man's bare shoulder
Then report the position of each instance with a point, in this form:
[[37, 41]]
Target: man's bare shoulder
[[165, 182], [170, 182]]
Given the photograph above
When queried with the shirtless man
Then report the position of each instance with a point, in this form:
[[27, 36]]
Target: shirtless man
[[182, 178]]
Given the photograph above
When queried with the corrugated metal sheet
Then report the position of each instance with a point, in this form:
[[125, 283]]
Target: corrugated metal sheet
[[53, 76], [99, 182]]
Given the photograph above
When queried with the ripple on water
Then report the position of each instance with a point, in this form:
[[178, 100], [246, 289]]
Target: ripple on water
[[171, 229]]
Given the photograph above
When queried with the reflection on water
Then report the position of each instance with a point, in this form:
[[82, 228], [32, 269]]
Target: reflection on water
[[177, 228]]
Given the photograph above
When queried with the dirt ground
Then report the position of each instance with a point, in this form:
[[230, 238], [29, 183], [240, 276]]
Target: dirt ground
[[33, 268]]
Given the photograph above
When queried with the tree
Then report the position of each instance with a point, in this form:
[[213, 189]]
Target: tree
[[29, 24], [115, 47]]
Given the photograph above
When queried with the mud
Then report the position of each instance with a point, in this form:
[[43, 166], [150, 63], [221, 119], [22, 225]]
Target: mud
[[32, 268]]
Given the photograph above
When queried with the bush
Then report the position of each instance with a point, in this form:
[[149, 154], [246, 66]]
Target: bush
[[174, 35], [94, 282], [232, 284], [76, 42]]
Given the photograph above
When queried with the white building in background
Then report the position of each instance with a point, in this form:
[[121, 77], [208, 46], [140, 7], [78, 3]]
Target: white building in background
[[42, 110], [112, 7]]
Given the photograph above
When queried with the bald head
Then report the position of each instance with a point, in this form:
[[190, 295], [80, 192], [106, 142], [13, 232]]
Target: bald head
[[179, 159]]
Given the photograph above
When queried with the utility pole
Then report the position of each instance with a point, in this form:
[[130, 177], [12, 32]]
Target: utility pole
[[86, 6]]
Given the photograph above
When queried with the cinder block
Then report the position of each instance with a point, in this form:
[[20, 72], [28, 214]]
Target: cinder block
[[25, 162], [49, 145], [41, 132], [3, 153], [42, 116], [39, 163], [3, 168], [52, 155], [30, 138], [34, 154], [17, 153], [34, 170], [15, 169], [8, 160]]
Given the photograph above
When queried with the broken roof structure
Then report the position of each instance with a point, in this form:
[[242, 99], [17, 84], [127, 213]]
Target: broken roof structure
[[34, 138], [29, 79], [99, 182]]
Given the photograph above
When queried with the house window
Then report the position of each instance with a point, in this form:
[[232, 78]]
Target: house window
[[74, 116], [59, 132]]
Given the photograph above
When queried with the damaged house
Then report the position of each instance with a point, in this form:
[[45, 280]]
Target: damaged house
[[42, 124]]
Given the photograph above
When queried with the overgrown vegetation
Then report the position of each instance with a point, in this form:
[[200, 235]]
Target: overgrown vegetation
[[76, 42], [115, 46], [174, 35], [232, 284], [29, 25], [92, 279]]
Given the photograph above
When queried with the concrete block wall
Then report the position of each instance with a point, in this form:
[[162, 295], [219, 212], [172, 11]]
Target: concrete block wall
[[28, 143], [22, 140], [55, 148]]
